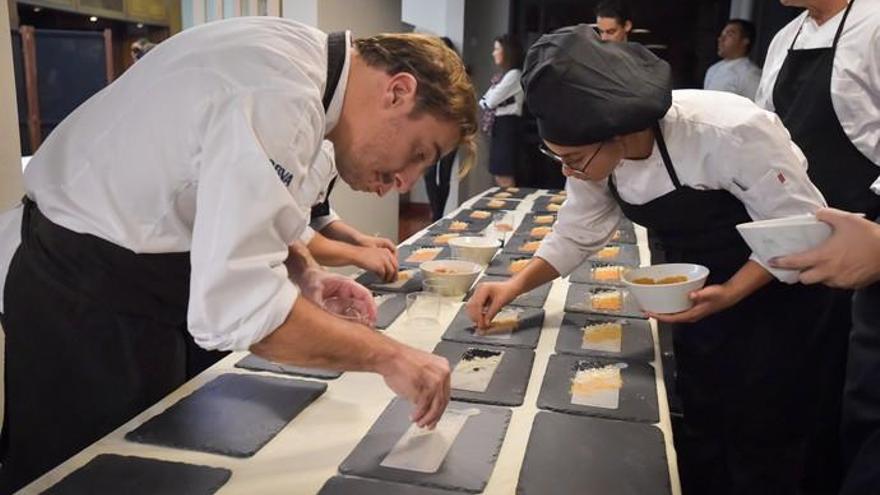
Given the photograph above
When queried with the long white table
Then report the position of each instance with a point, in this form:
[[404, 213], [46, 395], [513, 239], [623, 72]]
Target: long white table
[[308, 451]]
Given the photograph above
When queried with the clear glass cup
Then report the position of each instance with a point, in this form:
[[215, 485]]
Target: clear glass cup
[[423, 308], [503, 224], [345, 308]]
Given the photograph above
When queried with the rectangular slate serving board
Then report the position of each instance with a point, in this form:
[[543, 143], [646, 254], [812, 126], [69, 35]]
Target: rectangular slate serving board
[[232, 415], [509, 382], [534, 298], [515, 192], [466, 467], [638, 396], [473, 226], [404, 252], [569, 454], [256, 363], [483, 204], [636, 341], [628, 255], [499, 266], [526, 336], [371, 281], [346, 485], [516, 244], [576, 301]]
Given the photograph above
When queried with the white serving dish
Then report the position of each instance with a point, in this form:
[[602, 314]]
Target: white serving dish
[[477, 249], [458, 282], [666, 298]]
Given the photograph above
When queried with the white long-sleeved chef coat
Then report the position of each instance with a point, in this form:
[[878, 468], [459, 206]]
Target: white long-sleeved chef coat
[[855, 78], [716, 140], [509, 86], [205, 145], [739, 76]]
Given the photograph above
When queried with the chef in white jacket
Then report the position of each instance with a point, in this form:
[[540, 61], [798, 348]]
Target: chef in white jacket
[[164, 209], [690, 165], [822, 77], [735, 72]]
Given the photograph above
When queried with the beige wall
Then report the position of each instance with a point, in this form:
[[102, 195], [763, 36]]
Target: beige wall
[[366, 212], [10, 152]]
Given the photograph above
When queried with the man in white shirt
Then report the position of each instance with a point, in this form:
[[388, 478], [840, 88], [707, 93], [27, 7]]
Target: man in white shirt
[[735, 72], [822, 77], [691, 165], [167, 208]]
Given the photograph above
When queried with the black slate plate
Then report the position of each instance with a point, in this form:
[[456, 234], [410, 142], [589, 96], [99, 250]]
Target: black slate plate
[[483, 204], [465, 215], [232, 415], [434, 238], [577, 301], [514, 192], [371, 281], [638, 396], [500, 265], [534, 298], [509, 382], [530, 220], [129, 475], [256, 363], [636, 341], [345, 485], [467, 466], [526, 336], [519, 244], [569, 454], [473, 226]]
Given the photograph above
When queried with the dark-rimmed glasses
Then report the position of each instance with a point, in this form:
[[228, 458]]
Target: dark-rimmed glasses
[[549, 153]]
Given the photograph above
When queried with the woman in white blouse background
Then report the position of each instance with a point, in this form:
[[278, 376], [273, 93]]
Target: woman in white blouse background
[[504, 100]]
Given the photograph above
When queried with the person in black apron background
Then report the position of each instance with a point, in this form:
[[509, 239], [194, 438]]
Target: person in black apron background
[[502, 107], [129, 245], [821, 78], [691, 165], [850, 258]]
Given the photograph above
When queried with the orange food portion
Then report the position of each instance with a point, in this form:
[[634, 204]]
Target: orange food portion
[[674, 279], [495, 203], [540, 231], [607, 273], [603, 332], [607, 301], [518, 265], [458, 225], [480, 214], [444, 238], [590, 381], [503, 227], [530, 247], [608, 252], [553, 207], [504, 322], [447, 271], [424, 254], [502, 195], [545, 219]]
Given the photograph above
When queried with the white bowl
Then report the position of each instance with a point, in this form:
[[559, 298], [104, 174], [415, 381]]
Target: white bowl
[[783, 236], [666, 298], [477, 249], [458, 282]]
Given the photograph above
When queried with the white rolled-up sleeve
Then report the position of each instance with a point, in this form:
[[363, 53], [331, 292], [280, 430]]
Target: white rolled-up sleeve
[[320, 223], [508, 86], [586, 222], [246, 218]]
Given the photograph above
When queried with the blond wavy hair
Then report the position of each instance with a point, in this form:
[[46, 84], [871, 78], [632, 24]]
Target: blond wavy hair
[[444, 88]]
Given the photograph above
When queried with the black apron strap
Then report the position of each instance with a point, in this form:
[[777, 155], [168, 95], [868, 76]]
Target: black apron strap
[[842, 23], [336, 50], [667, 162], [322, 209]]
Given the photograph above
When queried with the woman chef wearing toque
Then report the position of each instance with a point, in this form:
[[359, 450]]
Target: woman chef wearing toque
[[690, 165]]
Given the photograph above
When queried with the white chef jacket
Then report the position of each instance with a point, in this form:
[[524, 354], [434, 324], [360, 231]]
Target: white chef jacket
[[855, 78], [508, 86], [201, 146], [740, 76], [716, 141]]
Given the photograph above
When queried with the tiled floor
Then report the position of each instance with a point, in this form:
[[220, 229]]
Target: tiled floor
[[413, 218]]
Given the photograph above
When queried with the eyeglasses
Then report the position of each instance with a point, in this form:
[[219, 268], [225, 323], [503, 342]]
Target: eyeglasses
[[548, 152]]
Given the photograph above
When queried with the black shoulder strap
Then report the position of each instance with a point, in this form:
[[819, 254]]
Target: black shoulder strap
[[667, 162], [335, 61], [322, 209]]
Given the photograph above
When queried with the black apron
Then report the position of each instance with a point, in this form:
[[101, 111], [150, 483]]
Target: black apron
[[743, 373], [802, 97], [95, 334], [861, 400]]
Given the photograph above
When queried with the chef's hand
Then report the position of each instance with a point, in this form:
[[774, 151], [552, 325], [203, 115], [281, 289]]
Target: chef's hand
[[707, 301], [372, 241], [317, 285], [850, 258], [421, 378], [487, 301], [378, 260]]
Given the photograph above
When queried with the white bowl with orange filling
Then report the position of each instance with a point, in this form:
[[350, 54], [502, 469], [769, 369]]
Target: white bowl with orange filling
[[455, 277], [665, 288], [474, 248]]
